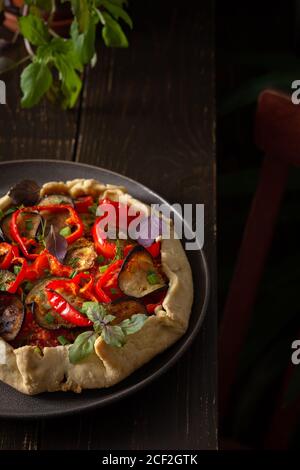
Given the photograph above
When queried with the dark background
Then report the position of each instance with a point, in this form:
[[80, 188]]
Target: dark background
[[257, 47], [146, 112]]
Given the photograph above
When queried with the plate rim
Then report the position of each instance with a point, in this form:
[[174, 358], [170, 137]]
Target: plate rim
[[121, 394]]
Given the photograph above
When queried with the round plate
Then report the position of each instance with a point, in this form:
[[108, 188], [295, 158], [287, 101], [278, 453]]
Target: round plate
[[16, 405]]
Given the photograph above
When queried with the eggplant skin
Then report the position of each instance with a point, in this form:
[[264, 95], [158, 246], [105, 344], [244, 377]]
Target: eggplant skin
[[11, 316], [125, 308], [43, 314], [133, 278], [81, 255]]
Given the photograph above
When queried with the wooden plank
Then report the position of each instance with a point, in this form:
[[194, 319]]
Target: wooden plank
[[42, 132], [148, 112]]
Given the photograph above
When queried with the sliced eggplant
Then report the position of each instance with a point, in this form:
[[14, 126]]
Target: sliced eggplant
[[11, 316], [125, 308], [30, 224], [44, 315], [138, 275], [25, 192], [4, 228], [56, 199], [6, 278], [81, 255]]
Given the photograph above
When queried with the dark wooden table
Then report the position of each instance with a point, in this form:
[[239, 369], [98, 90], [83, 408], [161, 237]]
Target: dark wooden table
[[146, 112]]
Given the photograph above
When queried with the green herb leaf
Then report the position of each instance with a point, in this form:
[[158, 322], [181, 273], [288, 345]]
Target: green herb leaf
[[49, 318], [100, 259], [73, 274], [73, 262], [65, 231], [17, 269], [11, 210], [36, 80], [82, 347], [117, 11], [112, 33], [63, 340], [114, 291], [113, 335], [133, 324], [28, 224], [94, 311], [102, 269], [93, 209], [108, 319], [28, 286], [81, 12], [34, 29], [152, 278], [84, 43]]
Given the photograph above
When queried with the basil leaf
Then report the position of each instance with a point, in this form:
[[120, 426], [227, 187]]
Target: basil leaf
[[36, 80], [112, 32], [71, 82], [108, 318], [113, 335], [56, 244], [34, 29], [44, 5], [82, 347], [133, 324], [84, 43], [81, 11], [63, 341], [94, 311], [117, 11]]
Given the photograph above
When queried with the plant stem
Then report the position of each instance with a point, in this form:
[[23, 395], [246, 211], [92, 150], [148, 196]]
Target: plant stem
[[15, 65]]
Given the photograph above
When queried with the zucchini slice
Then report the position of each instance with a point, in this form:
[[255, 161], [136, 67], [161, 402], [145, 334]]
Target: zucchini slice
[[138, 275], [11, 315]]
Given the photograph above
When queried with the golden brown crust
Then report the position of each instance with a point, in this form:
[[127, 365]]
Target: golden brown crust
[[30, 372]]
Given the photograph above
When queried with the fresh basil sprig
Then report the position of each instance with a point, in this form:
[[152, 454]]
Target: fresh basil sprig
[[57, 63], [114, 335]]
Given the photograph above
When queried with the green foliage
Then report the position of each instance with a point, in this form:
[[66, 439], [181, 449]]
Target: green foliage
[[113, 335], [57, 63]]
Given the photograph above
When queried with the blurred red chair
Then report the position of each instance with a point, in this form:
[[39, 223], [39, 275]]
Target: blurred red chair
[[277, 134]]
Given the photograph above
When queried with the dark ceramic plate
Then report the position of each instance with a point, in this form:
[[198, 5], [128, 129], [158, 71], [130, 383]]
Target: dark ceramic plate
[[16, 405]]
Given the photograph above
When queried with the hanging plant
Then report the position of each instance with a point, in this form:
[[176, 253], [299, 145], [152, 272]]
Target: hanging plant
[[57, 62]]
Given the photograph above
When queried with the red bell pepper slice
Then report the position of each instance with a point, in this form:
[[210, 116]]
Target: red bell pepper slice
[[83, 203], [63, 307], [73, 220], [154, 249], [65, 310], [21, 276], [152, 301], [8, 252], [106, 287]]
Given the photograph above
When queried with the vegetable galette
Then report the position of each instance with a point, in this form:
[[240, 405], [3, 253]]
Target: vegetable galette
[[83, 302]]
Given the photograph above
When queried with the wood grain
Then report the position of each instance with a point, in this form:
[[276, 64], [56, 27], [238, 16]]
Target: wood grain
[[42, 132], [146, 112]]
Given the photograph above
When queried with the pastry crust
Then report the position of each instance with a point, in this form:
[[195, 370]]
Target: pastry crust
[[31, 373]]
